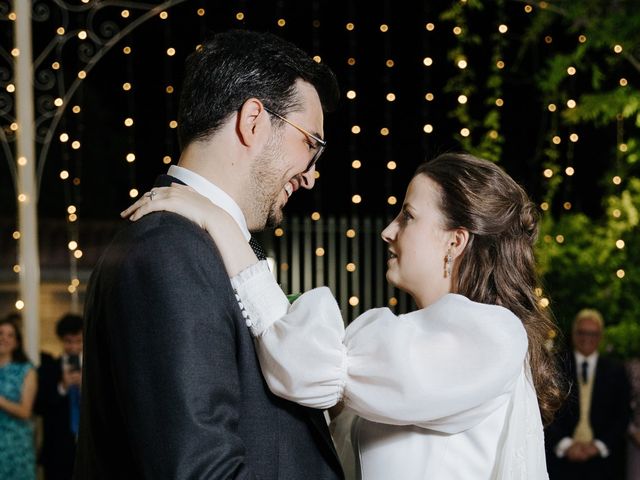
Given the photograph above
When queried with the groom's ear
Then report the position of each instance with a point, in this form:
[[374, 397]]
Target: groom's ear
[[253, 124]]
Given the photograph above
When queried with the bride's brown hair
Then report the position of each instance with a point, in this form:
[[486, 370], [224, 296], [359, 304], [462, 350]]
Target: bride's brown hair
[[498, 266]]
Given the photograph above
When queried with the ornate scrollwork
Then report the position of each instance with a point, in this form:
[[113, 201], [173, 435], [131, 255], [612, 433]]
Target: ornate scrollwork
[[6, 103], [86, 51], [44, 79], [40, 12]]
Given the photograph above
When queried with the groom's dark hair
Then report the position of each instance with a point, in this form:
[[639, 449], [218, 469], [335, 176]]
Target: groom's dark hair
[[232, 67]]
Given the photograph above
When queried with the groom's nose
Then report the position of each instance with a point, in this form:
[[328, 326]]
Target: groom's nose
[[308, 178]]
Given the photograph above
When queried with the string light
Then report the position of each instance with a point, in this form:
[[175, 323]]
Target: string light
[[356, 199], [355, 129], [351, 233], [319, 252], [391, 165], [356, 164], [569, 171], [279, 232], [353, 301], [428, 128]]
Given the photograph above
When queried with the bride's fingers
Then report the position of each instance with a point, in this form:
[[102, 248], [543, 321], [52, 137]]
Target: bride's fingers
[[153, 194]]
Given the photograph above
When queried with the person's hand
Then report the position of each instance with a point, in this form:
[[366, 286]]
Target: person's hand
[[71, 377], [590, 450], [179, 199], [576, 452], [185, 201]]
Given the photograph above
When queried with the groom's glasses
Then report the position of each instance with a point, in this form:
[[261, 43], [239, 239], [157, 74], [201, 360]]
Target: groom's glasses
[[318, 146]]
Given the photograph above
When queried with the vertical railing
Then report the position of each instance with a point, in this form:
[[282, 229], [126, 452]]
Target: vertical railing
[[299, 267]]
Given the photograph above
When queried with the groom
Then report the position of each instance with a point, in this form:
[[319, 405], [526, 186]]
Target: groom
[[172, 388]]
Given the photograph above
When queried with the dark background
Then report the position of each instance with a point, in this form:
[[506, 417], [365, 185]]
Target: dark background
[[105, 178]]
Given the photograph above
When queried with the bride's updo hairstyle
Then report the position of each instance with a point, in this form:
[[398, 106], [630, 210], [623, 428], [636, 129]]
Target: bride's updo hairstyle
[[497, 266]]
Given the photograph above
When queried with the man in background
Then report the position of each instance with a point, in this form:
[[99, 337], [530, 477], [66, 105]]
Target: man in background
[[58, 400], [586, 439]]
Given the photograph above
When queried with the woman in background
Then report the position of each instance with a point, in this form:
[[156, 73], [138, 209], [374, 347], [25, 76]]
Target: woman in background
[[457, 389], [17, 393]]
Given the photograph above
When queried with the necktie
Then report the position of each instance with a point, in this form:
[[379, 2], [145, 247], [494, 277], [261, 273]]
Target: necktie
[[257, 248], [74, 409], [585, 371]]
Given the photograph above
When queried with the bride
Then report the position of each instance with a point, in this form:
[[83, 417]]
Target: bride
[[457, 389]]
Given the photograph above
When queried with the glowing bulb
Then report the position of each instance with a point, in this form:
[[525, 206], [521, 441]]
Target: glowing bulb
[[503, 28], [353, 301], [279, 232], [428, 128], [620, 244], [351, 94], [571, 70], [391, 165], [571, 103], [319, 252], [356, 164], [355, 129], [462, 99], [548, 173], [427, 61], [569, 171], [356, 199], [351, 233]]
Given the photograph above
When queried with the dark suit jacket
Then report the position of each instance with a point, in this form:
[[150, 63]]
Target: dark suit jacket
[[58, 442], [609, 417], [172, 388]]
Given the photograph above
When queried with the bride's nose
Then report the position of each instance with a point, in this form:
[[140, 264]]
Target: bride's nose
[[389, 233]]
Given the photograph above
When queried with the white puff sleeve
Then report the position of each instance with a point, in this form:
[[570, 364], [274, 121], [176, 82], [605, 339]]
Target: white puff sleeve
[[445, 367]]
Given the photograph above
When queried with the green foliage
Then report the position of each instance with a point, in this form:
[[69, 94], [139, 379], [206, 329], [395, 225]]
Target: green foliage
[[581, 271]]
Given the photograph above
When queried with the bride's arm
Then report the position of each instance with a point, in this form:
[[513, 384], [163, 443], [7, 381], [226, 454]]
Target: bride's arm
[[234, 248]]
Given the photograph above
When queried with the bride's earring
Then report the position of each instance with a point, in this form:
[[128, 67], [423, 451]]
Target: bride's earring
[[448, 262]]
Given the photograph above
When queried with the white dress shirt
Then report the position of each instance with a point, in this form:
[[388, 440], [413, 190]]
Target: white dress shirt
[[441, 393], [214, 193]]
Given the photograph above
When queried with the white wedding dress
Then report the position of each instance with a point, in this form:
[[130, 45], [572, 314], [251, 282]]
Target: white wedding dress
[[442, 393]]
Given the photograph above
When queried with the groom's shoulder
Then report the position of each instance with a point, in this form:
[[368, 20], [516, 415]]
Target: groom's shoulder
[[161, 233]]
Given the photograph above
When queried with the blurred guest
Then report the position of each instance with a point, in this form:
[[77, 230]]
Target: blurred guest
[[18, 385], [586, 440], [58, 400], [633, 447]]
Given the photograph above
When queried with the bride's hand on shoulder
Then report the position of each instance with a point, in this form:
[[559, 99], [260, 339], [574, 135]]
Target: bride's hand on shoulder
[[185, 201], [179, 199]]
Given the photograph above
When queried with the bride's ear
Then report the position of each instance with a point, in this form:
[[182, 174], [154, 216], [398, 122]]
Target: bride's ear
[[253, 125], [459, 241]]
